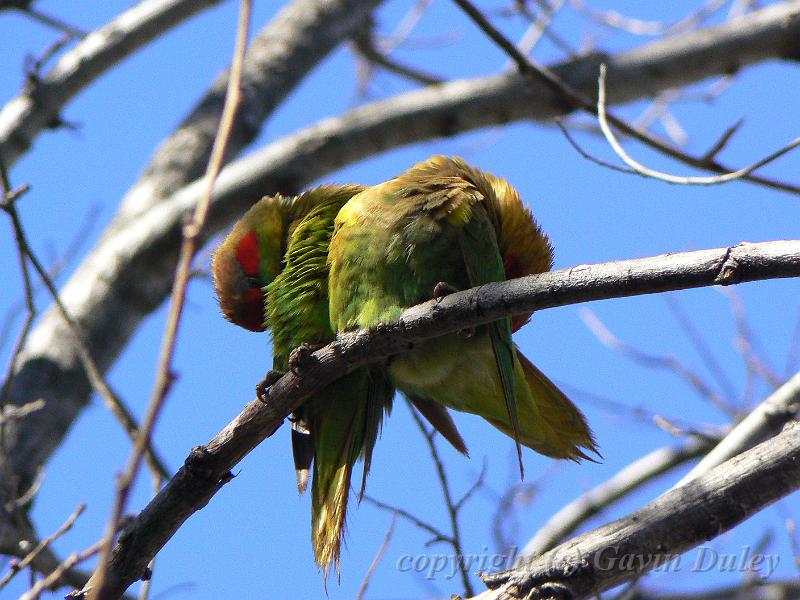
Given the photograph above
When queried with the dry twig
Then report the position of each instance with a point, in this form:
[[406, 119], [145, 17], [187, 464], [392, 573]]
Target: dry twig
[[575, 99], [451, 506], [188, 249], [17, 566], [376, 561], [640, 169]]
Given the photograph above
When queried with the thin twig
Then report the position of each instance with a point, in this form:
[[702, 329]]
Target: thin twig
[[438, 536], [191, 232], [479, 483], [747, 343], [364, 44], [452, 509], [28, 559], [541, 26], [671, 363], [587, 155], [793, 355], [577, 100], [407, 24], [376, 561], [699, 343], [602, 118], [72, 31], [68, 563], [18, 412], [147, 582]]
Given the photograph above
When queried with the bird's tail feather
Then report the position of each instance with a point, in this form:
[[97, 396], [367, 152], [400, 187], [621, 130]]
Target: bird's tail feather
[[345, 424], [564, 430]]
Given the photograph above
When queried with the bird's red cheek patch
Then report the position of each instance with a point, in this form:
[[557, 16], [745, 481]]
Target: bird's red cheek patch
[[247, 254], [252, 315]]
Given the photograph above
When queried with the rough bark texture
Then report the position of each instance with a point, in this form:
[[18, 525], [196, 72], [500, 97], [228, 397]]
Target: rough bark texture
[[668, 526]]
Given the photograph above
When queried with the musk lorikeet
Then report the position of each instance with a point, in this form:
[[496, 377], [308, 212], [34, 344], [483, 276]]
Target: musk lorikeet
[[445, 224], [271, 272]]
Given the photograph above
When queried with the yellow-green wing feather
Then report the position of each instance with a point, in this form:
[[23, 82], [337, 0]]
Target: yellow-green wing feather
[[483, 263]]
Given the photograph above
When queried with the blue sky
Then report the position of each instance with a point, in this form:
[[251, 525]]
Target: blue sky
[[253, 538]]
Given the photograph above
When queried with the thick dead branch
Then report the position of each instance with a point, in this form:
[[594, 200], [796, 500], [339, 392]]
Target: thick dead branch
[[623, 483], [207, 468], [663, 529]]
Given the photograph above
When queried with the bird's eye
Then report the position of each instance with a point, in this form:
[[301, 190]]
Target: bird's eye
[[254, 282]]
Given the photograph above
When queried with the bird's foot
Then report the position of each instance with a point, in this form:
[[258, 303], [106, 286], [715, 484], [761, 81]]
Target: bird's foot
[[262, 389], [467, 333], [552, 590], [300, 357], [442, 289]]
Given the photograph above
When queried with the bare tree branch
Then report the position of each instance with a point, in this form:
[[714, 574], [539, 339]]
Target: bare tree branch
[[376, 561], [576, 99], [39, 105], [600, 497], [661, 530], [207, 468]]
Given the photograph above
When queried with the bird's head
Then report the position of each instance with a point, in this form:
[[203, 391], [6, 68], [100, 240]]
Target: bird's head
[[249, 259]]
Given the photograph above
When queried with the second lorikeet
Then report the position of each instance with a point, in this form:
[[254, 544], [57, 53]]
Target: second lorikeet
[[271, 272], [444, 224]]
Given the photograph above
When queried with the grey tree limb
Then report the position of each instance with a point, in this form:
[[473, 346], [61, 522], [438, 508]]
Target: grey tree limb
[[762, 422], [663, 529], [129, 272], [38, 106], [207, 468]]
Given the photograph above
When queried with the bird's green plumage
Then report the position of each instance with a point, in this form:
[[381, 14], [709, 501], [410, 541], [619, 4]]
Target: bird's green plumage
[[444, 221], [342, 422], [271, 272]]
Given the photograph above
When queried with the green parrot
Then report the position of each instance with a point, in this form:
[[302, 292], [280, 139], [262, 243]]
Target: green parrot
[[271, 272], [445, 225]]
